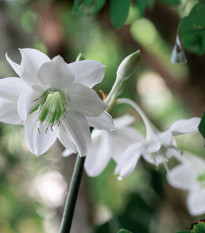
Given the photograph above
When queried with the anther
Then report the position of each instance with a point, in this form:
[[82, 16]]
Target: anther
[[59, 123], [21, 122], [52, 127], [39, 131], [46, 130], [69, 98]]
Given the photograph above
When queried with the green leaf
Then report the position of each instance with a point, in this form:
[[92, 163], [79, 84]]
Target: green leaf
[[184, 232], [142, 5], [123, 231], [202, 126], [119, 10], [87, 7], [199, 228], [202, 1], [171, 2]]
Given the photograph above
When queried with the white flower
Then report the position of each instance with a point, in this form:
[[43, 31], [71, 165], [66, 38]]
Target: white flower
[[190, 175], [109, 145], [158, 146], [53, 99]]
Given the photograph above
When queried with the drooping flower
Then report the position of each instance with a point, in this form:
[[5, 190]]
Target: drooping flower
[[158, 146], [107, 145], [54, 99], [190, 175]]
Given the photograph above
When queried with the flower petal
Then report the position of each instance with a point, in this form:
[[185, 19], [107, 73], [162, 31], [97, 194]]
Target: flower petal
[[56, 73], [8, 113], [121, 139], [39, 138], [85, 100], [27, 101], [99, 154], [104, 121], [77, 127], [11, 88], [87, 72], [129, 160], [188, 126], [14, 65], [66, 140], [196, 202], [182, 176], [166, 138], [123, 121], [32, 60]]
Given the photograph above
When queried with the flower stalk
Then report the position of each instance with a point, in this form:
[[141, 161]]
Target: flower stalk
[[72, 195]]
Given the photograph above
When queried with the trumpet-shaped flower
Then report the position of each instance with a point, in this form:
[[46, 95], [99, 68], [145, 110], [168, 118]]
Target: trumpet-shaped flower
[[190, 175], [158, 146], [107, 145], [53, 99]]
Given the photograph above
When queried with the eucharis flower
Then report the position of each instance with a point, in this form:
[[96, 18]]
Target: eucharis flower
[[158, 146], [54, 99], [107, 145], [190, 175]]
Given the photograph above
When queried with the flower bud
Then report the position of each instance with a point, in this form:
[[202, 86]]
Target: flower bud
[[128, 66]]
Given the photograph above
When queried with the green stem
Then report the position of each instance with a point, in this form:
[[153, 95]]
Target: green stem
[[72, 195]]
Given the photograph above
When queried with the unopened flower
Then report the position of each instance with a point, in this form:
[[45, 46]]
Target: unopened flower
[[158, 146], [107, 145], [53, 99], [190, 175]]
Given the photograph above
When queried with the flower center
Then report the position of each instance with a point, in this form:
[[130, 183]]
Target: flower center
[[201, 180], [52, 107]]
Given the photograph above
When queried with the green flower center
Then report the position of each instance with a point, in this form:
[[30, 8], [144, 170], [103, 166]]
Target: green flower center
[[52, 107], [201, 180]]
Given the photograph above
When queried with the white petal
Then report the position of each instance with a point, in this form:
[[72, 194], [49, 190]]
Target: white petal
[[11, 88], [85, 100], [8, 113], [155, 159], [56, 73], [66, 140], [32, 60], [39, 143], [196, 202], [99, 154], [121, 139], [67, 153], [87, 72], [104, 121], [14, 65], [123, 121], [152, 146], [182, 176], [129, 160], [166, 138], [27, 101], [188, 126], [77, 126]]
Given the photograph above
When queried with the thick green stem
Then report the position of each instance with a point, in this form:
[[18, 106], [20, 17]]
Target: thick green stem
[[72, 195]]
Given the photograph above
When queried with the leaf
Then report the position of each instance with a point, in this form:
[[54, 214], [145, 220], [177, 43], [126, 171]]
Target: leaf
[[199, 228], [192, 30], [123, 231], [144, 4], [184, 232], [202, 126], [171, 2], [87, 7], [202, 1], [119, 10]]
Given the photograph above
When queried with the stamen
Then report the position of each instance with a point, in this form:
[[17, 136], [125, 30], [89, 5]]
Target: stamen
[[52, 127], [59, 123], [46, 130], [39, 131], [21, 122]]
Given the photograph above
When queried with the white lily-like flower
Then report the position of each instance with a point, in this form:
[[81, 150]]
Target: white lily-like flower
[[107, 145], [158, 146], [190, 175], [54, 99]]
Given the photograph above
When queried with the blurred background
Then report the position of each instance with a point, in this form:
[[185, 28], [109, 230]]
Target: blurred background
[[33, 189]]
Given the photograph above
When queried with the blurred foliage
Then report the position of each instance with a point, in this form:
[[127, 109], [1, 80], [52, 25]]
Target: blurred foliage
[[142, 202]]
